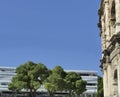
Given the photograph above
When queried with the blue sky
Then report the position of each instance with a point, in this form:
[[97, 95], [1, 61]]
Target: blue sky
[[54, 32]]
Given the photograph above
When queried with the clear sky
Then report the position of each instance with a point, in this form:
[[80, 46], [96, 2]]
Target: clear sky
[[53, 32]]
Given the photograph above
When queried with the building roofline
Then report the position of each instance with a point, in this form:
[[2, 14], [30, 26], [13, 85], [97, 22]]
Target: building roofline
[[82, 71], [6, 67], [79, 71]]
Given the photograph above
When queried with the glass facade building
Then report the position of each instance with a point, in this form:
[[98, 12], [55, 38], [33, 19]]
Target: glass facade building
[[6, 74]]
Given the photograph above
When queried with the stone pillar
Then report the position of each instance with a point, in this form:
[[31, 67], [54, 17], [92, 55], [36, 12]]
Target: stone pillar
[[110, 81], [103, 38], [107, 19], [105, 83], [117, 8], [119, 73], [119, 80]]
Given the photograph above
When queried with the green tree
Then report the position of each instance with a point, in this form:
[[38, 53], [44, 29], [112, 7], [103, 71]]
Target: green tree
[[100, 92], [55, 82], [80, 86], [15, 85], [59, 70], [32, 76], [74, 84]]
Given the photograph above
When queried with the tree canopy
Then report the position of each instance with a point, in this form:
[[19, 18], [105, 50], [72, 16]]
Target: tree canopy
[[55, 82], [31, 76], [74, 83]]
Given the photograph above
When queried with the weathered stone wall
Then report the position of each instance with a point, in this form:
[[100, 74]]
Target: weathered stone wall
[[109, 24]]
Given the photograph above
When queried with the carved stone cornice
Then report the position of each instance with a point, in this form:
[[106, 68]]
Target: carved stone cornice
[[105, 67], [106, 57], [115, 38], [108, 51], [104, 60], [113, 41]]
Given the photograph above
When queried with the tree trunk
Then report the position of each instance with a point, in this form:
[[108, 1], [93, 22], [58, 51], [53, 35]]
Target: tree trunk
[[31, 93], [27, 93], [34, 94], [51, 94], [15, 93], [70, 93]]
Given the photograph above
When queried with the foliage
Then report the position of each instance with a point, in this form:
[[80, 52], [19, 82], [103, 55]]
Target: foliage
[[74, 83], [31, 75], [59, 70], [100, 92], [55, 81], [80, 86], [16, 85]]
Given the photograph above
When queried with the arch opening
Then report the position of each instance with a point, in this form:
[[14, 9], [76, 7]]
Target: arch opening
[[113, 18]]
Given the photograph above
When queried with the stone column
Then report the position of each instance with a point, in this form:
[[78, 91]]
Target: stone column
[[109, 81], [103, 38], [117, 8], [119, 80], [107, 18], [105, 83], [119, 73]]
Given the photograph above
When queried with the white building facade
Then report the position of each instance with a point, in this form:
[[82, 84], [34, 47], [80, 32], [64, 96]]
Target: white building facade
[[6, 74]]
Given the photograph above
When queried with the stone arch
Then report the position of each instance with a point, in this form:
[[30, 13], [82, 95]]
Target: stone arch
[[115, 82]]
